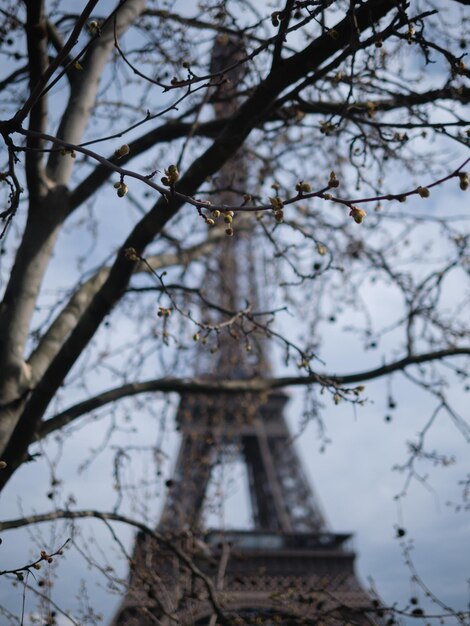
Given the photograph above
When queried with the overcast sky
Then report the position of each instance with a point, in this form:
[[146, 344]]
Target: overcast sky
[[353, 477]]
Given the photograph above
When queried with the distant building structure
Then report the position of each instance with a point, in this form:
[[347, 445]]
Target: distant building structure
[[289, 568]]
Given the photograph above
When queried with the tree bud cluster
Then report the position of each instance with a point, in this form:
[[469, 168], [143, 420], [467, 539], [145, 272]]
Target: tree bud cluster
[[121, 189], [171, 176]]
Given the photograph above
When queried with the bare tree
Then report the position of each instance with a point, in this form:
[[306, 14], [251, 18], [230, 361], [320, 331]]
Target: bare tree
[[349, 116]]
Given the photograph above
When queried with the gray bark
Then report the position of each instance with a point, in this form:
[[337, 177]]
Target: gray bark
[[47, 209]]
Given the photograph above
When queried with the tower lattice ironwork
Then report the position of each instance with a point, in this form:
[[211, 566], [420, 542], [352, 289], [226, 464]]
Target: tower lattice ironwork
[[290, 568]]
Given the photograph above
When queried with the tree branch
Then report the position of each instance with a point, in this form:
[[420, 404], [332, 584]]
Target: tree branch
[[283, 18], [167, 132], [399, 101], [175, 129], [171, 545], [14, 76], [253, 385], [47, 210], [37, 64], [67, 319], [83, 92], [42, 82]]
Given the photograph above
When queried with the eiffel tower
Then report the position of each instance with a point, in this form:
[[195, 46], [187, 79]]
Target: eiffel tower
[[290, 568]]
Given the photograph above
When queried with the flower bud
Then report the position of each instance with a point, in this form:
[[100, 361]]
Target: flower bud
[[333, 182], [123, 189], [357, 214], [131, 254], [276, 202], [463, 177], [423, 192], [122, 151], [172, 174], [303, 187], [93, 27]]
